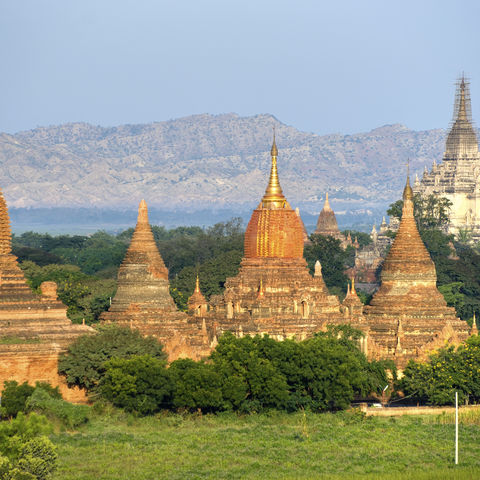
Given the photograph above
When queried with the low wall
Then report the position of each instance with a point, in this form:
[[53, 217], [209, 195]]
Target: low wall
[[35, 363], [399, 411]]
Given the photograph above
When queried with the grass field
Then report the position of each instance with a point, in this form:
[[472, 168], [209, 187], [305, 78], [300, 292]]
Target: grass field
[[285, 446]]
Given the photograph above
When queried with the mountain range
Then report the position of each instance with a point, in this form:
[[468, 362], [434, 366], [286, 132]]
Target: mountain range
[[209, 162]]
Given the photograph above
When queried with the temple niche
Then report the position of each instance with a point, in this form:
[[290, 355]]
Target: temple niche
[[457, 177], [143, 300], [274, 292], [327, 225], [34, 329], [408, 317]]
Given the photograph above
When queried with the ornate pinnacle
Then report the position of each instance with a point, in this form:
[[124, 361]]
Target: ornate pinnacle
[[142, 212], [197, 285], [273, 194]]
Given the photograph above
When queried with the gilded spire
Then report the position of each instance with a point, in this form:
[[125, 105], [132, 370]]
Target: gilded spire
[[407, 191], [273, 197], [354, 292], [197, 285], [326, 206]]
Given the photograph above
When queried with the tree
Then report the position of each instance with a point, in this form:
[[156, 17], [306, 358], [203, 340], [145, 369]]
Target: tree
[[196, 386], [332, 257], [445, 372], [137, 384], [83, 363], [430, 211]]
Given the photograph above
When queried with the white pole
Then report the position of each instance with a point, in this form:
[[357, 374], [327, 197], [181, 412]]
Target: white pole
[[456, 428]]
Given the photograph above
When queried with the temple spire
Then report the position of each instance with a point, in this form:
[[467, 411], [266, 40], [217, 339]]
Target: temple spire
[[462, 110], [273, 197], [142, 212], [5, 231], [197, 285], [326, 205]]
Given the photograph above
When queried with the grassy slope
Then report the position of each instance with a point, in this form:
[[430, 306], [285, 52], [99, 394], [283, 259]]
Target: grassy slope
[[283, 446]]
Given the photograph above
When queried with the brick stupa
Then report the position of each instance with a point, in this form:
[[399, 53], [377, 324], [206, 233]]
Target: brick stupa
[[34, 329], [408, 317], [327, 225], [143, 300], [274, 292]]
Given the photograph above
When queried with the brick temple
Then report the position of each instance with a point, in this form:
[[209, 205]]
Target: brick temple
[[143, 300], [34, 329], [408, 316], [274, 292]]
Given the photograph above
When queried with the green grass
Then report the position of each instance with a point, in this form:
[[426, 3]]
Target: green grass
[[17, 340], [280, 446]]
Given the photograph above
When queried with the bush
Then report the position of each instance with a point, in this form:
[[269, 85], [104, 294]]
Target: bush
[[138, 384], [54, 408], [83, 364], [445, 372], [27, 453], [196, 386], [14, 397]]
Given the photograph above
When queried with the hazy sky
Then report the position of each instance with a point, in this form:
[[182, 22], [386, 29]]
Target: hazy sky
[[321, 66]]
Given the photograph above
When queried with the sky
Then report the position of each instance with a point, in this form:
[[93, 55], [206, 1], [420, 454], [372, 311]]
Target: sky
[[323, 67]]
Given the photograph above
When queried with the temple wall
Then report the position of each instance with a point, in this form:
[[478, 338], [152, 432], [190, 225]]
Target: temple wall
[[28, 363]]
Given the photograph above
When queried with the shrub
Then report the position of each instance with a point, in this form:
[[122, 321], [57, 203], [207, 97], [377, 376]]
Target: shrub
[[83, 363], [14, 397], [27, 452], [138, 384], [196, 386], [54, 408]]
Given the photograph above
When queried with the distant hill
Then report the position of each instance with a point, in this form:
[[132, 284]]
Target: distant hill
[[209, 162]]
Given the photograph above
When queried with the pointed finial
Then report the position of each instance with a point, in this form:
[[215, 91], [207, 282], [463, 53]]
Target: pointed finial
[[348, 289], [142, 212], [407, 191], [353, 286], [318, 269], [274, 150], [326, 205], [197, 285], [273, 194]]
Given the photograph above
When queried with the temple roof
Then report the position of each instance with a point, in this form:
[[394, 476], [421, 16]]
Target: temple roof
[[143, 249], [327, 222], [274, 230], [462, 139]]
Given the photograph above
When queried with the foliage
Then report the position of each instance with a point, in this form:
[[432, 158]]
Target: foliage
[[196, 386], [55, 408], [137, 384], [27, 452], [83, 363], [446, 371], [430, 211], [363, 238], [212, 275], [85, 296], [332, 258], [15, 397]]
